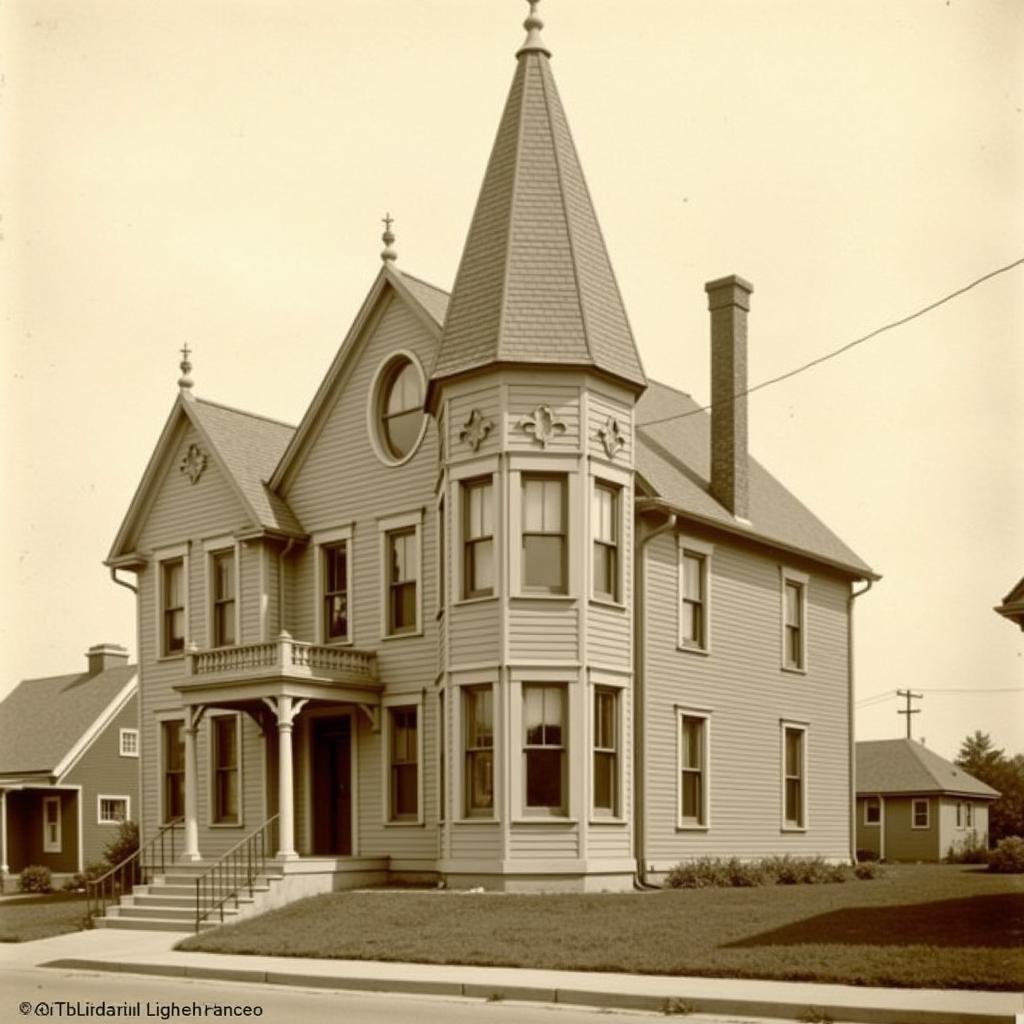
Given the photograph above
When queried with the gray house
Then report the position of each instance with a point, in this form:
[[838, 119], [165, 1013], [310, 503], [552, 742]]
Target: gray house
[[913, 805], [69, 765]]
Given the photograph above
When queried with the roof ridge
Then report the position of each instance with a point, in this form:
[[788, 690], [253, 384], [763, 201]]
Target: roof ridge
[[420, 280], [243, 412]]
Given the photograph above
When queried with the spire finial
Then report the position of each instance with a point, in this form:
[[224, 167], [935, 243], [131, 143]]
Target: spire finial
[[388, 255], [185, 381], [533, 25]]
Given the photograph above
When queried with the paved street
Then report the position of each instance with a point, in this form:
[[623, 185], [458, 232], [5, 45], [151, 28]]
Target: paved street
[[157, 998]]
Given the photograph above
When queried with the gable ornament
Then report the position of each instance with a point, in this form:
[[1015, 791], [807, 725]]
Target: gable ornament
[[543, 424], [475, 429], [611, 436], [194, 462]]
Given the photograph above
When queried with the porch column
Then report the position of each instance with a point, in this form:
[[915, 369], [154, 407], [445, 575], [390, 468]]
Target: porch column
[[4, 868], [192, 718], [285, 708]]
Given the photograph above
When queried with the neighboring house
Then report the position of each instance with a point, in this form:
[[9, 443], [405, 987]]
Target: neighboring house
[[499, 610], [1012, 607], [69, 765], [914, 805]]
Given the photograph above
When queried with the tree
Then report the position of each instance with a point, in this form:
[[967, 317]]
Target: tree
[[977, 755], [980, 758]]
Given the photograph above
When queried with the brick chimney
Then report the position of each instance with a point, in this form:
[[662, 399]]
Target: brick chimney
[[729, 302], [104, 656]]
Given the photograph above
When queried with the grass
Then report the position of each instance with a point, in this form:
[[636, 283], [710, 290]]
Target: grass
[[932, 926], [23, 919]]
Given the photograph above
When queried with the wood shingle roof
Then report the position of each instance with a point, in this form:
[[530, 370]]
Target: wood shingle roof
[[905, 767]]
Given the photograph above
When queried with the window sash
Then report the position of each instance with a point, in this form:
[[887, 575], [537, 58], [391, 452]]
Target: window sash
[[223, 564], [172, 588], [173, 749], [478, 538], [335, 564], [402, 581], [478, 703], [693, 616], [794, 777], [404, 764], [544, 751], [113, 810], [226, 757], [693, 744], [544, 535], [794, 620], [605, 767], [920, 813], [129, 740], [872, 811], [969, 807]]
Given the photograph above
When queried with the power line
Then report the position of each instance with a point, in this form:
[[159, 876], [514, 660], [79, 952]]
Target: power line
[[845, 348], [880, 698]]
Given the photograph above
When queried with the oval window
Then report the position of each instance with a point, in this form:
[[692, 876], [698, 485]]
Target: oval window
[[401, 408]]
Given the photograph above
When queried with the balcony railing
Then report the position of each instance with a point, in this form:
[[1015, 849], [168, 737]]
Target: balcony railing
[[287, 658]]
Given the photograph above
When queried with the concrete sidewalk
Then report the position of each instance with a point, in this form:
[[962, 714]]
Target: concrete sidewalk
[[147, 952]]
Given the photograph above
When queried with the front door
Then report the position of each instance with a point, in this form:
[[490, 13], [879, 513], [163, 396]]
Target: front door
[[332, 786]]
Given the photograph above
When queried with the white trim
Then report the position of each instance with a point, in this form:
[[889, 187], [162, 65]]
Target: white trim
[[160, 718], [306, 724], [320, 542], [211, 777], [95, 730], [121, 735], [459, 812], [100, 820], [602, 816], [689, 824], [567, 811], [787, 575], [373, 405], [53, 845], [386, 526], [927, 813], [211, 548], [867, 802], [706, 551], [160, 557], [565, 467], [609, 482], [802, 728], [458, 562], [388, 705]]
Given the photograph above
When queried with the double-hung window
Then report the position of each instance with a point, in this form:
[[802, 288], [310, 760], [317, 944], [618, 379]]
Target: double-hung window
[[919, 813], [404, 764], [794, 776], [544, 748], [51, 824], [402, 579], [794, 621], [959, 814], [222, 565], [478, 728], [335, 576], [693, 770], [970, 814], [606, 751], [693, 581], [545, 562], [478, 538], [226, 777], [172, 752], [872, 810], [172, 606], [605, 525]]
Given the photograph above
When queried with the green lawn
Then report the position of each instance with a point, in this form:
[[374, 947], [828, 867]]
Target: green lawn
[[23, 919], [919, 926]]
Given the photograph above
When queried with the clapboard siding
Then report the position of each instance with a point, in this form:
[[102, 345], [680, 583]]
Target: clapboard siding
[[543, 630], [476, 633], [249, 591], [487, 400], [903, 843], [741, 685], [608, 841], [609, 636], [601, 409], [523, 400], [472, 841], [547, 841]]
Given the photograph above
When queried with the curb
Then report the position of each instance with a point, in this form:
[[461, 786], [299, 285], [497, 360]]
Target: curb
[[681, 1003]]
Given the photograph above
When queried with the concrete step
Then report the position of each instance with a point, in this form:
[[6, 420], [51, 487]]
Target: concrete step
[[169, 913], [162, 900], [149, 924]]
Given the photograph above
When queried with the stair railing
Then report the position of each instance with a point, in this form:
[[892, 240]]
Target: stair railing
[[152, 858], [235, 872]]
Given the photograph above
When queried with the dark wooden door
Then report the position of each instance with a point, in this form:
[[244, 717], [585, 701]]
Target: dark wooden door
[[332, 786]]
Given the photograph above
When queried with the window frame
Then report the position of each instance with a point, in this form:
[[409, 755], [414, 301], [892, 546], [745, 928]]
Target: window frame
[[959, 814], [442, 755], [468, 542], [703, 550], [215, 818], [788, 824], [215, 549], [391, 706], [162, 724], [613, 753], [384, 376], [968, 814], [55, 845], [800, 583], [470, 812], [126, 800], [324, 541], [161, 560], [702, 822], [562, 478], [542, 811], [614, 546], [123, 748], [914, 803], [390, 527], [868, 823]]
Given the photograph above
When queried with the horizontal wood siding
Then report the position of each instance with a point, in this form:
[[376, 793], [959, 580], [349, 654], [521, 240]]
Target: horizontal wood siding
[[740, 683], [903, 843], [476, 841], [548, 841], [476, 633], [249, 592], [487, 400], [523, 400], [869, 837], [601, 408], [609, 637], [608, 841], [543, 630]]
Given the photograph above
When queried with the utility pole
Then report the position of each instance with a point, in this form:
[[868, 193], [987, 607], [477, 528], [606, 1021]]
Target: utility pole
[[910, 695]]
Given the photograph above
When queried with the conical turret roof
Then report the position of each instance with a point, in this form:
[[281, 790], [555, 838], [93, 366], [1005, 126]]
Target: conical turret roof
[[535, 284]]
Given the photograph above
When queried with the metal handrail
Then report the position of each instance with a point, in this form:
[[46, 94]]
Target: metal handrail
[[148, 860], [235, 871]]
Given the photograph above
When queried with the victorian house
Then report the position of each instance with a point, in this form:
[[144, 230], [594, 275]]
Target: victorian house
[[500, 610]]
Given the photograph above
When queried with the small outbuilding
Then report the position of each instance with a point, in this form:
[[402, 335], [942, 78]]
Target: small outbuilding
[[913, 805]]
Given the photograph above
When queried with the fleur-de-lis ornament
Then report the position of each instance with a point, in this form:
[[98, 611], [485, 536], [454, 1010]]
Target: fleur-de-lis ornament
[[543, 424], [611, 436], [475, 430]]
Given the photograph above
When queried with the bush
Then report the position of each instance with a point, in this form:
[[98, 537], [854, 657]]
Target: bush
[[868, 869], [1008, 857], [36, 878], [123, 844], [92, 871], [712, 871], [969, 851], [864, 856], [699, 874]]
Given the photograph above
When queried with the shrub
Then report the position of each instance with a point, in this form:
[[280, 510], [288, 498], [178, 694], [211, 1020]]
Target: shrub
[[92, 871], [1008, 857], [123, 844], [709, 871], [969, 851], [745, 874], [698, 874], [868, 869], [36, 878], [866, 855]]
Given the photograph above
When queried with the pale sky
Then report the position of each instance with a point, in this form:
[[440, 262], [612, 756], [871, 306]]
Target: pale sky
[[215, 172]]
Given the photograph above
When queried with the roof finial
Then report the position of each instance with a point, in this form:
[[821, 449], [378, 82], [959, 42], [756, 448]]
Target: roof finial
[[533, 25], [185, 381], [388, 255]]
